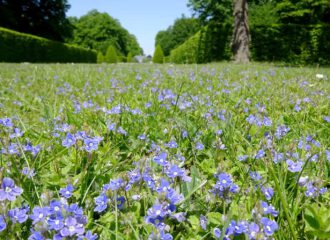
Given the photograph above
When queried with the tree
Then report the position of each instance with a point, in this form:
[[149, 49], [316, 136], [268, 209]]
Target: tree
[[176, 34], [304, 12], [45, 18], [241, 35], [221, 11], [97, 31], [158, 55], [111, 55]]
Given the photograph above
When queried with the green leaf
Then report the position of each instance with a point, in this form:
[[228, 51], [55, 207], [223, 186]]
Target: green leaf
[[214, 218], [194, 221]]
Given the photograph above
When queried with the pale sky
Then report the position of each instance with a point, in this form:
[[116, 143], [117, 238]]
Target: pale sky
[[143, 18]]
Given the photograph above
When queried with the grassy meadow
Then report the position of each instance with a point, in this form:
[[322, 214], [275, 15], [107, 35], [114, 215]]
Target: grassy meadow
[[147, 151]]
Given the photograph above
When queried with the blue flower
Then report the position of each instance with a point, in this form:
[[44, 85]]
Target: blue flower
[[171, 144], [199, 146], [253, 230], [269, 226], [224, 180], [294, 166], [8, 190], [242, 158], [69, 140], [17, 133], [3, 224], [75, 209], [72, 227], [260, 154], [268, 192], [165, 236], [241, 227], [88, 236], [67, 191], [18, 215], [113, 185], [91, 144], [217, 233], [161, 159], [203, 222], [12, 149], [39, 214], [36, 236], [120, 202], [311, 190], [255, 176], [268, 209], [180, 217], [101, 203], [173, 196], [55, 207], [55, 223], [6, 122], [267, 122], [174, 171], [164, 186]]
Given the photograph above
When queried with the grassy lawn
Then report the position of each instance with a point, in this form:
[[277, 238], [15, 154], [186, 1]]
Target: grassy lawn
[[129, 151]]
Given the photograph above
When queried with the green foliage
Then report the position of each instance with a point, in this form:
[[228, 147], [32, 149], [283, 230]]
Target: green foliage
[[297, 44], [129, 57], [158, 55], [97, 31], [212, 10], [210, 44], [45, 18], [303, 12], [100, 57], [183, 102], [111, 55], [317, 220], [21, 47], [188, 51], [263, 13], [182, 29]]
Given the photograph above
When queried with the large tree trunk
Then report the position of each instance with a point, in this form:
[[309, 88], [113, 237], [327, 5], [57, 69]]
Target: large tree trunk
[[241, 35]]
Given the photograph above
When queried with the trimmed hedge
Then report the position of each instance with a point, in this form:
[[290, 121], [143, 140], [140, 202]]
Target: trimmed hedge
[[292, 43], [211, 43], [21, 47]]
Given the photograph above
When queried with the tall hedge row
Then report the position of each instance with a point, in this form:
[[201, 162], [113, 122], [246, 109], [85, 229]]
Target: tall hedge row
[[297, 44], [21, 47], [291, 43]]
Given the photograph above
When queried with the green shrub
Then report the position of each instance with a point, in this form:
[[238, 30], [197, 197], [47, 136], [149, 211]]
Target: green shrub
[[100, 57], [111, 55], [21, 47], [129, 57], [158, 55]]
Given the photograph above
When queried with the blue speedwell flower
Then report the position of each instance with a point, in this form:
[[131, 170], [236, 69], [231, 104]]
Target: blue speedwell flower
[[18, 215], [9, 191], [3, 224], [270, 226], [72, 227], [101, 203], [294, 166], [67, 191]]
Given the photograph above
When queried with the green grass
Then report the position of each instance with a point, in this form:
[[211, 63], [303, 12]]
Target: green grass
[[198, 99]]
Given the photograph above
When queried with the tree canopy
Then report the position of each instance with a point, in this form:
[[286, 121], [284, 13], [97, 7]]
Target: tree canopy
[[98, 31], [45, 18], [176, 34]]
